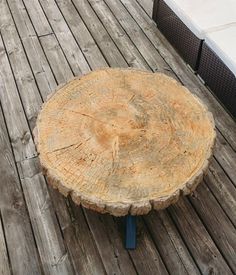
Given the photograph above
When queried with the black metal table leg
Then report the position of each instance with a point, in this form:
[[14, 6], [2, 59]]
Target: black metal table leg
[[130, 230]]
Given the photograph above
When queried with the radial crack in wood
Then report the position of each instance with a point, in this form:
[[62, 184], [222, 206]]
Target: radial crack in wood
[[124, 141]]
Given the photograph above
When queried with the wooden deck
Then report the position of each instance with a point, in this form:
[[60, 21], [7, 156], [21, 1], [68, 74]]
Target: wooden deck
[[44, 43]]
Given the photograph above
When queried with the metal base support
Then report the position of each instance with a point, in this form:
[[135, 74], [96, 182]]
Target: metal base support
[[130, 230]]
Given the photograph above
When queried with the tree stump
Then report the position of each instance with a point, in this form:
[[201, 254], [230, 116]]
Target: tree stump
[[123, 141]]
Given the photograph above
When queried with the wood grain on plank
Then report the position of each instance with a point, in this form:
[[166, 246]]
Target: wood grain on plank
[[147, 5], [111, 53], [55, 56], [146, 257], [135, 33], [17, 125], [40, 67], [25, 81], [109, 239], [50, 243], [115, 258], [223, 189], [119, 36], [18, 232], [226, 157], [38, 17], [170, 244], [67, 42], [4, 260], [197, 239], [217, 223], [82, 35], [52, 251], [78, 238]]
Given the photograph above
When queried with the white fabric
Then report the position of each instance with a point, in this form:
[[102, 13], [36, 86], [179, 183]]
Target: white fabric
[[223, 43], [202, 16]]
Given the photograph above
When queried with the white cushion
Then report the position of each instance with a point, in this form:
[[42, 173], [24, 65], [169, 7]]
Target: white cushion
[[223, 43], [201, 16]]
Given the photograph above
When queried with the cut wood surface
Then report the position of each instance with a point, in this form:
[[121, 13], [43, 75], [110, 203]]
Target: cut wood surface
[[124, 141], [40, 47]]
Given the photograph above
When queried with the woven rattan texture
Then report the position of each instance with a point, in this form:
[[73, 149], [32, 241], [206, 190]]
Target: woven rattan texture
[[178, 34], [218, 77]]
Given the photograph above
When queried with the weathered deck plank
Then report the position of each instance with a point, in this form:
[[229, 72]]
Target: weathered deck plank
[[146, 5], [20, 242], [223, 189], [198, 240], [226, 156], [53, 257], [17, 124], [40, 67], [76, 235], [78, 238], [25, 81], [146, 256], [115, 258], [53, 253], [67, 42], [39, 19], [214, 217], [56, 56], [4, 261], [46, 230], [112, 55], [119, 36], [82, 35], [136, 35], [170, 244], [70, 38]]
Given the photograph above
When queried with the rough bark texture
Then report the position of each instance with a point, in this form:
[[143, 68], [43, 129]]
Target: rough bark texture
[[124, 141]]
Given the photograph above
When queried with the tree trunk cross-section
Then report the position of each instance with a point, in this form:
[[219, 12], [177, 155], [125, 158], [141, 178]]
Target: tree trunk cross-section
[[124, 141]]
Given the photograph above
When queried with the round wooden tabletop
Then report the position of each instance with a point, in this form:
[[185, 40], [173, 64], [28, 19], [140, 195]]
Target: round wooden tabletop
[[124, 141]]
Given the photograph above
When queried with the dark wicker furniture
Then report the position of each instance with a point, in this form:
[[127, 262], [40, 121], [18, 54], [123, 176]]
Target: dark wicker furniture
[[179, 35], [218, 77]]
